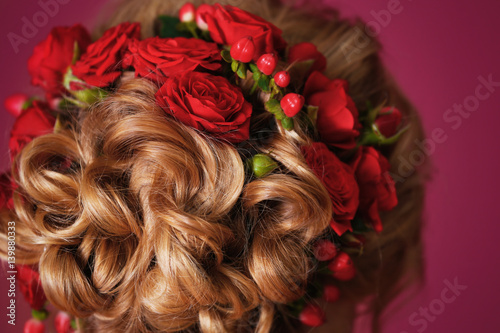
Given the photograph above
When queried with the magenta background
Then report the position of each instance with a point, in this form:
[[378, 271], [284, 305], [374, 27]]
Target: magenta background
[[436, 50]]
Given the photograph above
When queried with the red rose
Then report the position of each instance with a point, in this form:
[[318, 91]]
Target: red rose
[[307, 51], [158, 58], [337, 122], [101, 64], [376, 186], [229, 24], [32, 122], [31, 287], [208, 103], [388, 120], [52, 57], [338, 179]]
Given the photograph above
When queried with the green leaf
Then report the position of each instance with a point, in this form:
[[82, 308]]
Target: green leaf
[[242, 71], [264, 83], [90, 96], [40, 314], [190, 27], [234, 65], [166, 27], [253, 68], [273, 106], [256, 76], [28, 103], [226, 55], [287, 123]]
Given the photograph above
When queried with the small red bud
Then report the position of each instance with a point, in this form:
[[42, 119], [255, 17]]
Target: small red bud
[[187, 12], [292, 103], [324, 250], [282, 79], [14, 104], [388, 120], [267, 63], [342, 267], [200, 12], [62, 322], [312, 315], [243, 49], [34, 326], [331, 293]]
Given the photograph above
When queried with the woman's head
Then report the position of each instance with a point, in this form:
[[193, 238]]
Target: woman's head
[[140, 221]]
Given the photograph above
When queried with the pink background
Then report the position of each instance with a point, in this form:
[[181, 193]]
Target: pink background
[[436, 50]]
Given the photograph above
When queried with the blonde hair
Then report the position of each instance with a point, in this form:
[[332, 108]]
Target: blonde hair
[[154, 227]]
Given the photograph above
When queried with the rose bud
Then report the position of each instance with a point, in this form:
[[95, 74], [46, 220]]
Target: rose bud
[[15, 104], [292, 103], [342, 267], [307, 51], [202, 10], [62, 322], [187, 12], [331, 293], [262, 165], [282, 79], [243, 49], [267, 63], [34, 326], [312, 315], [388, 121], [324, 250]]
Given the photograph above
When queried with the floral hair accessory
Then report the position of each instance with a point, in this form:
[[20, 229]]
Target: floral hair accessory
[[211, 66]]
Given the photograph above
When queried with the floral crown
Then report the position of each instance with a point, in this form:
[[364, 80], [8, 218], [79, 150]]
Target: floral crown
[[207, 64]]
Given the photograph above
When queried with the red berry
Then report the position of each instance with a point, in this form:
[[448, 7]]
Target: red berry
[[342, 267], [388, 121], [267, 63], [62, 322], [243, 49], [203, 10], [312, 315], [34, 326], [187, 12], [324, 250], [331, 293], [282, 79], [14, 104], [292, 103]]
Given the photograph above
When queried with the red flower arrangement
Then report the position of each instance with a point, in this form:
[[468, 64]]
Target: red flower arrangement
[[200, 84]]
